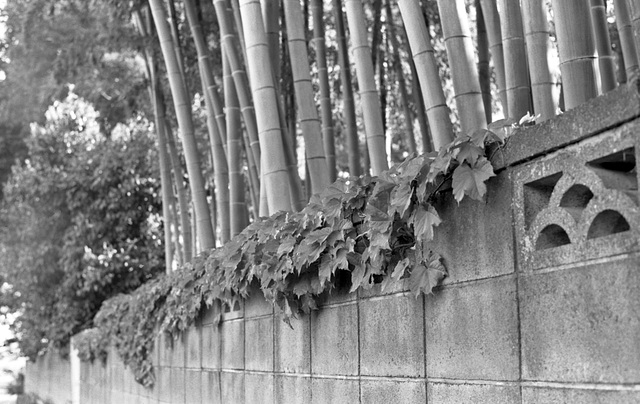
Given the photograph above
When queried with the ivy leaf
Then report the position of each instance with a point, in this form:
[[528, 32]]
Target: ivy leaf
[[424, 220], [470, 180], [400, 199], [439, 166], [469, 152], [427, 275]]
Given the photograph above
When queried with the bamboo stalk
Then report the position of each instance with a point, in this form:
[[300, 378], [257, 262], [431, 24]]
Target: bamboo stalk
[[577, 51], [230, 50], [317, 13], [237, 204], [606, 58], [484, 69], [634, 7], [270, 16], [492, 23], [536, 33], [427, 69], [183, 113], [515, 59], [274, 170], [307, 113], [367, 86], [349, 128], [625, 32]]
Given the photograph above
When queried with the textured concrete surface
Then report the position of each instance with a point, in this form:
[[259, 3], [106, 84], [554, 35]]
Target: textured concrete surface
[[258, 388], [292, 389], [334, 341], [335, 391], [472, 393], [232, 342], [258, 344], [292, 345], [582, 324], [384, 392], [389, 348], [561, 396], [472, 331]]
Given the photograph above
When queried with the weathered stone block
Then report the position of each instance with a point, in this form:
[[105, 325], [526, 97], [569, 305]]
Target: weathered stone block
[[444, 393], [163, 383], [536, 395], [178, 390], [193, 344], [335, 391], [475, 239], [210, 347], [256, 305], [259, 344], [292, 345], [211, 388], [292, 389], [582, 324], [334, 340], [384, 392], [232, 385], [472, 331], [232, 338], [163, 342], [392, 336], [178, 351], [258, 388], [193, 383]]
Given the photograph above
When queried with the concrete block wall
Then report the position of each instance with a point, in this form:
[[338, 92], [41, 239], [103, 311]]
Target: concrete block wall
[[542, 304], [49, 378]]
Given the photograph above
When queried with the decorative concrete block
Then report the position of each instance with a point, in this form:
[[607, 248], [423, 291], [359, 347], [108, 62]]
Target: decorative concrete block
[[193, 383], [582, 324], [210, 346], [334, 340], [392, 336], [211, 314], [385, 391], [258, 344], [178, 390], [445, 393], [538, 395], [334, 391], [475, 239], [193, 339], [258, 388], [163, 383], [232, 385], [232, 339], [292, 389], [292, 345], [472, 331], [580, 202], [211, 388]]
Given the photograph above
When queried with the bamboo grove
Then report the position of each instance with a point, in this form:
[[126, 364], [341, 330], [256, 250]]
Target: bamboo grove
[[266, 78]]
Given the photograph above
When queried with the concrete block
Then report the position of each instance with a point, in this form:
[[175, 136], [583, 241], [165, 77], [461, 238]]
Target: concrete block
[[232, 387], [258, 344], [292, 345], [472, 331], [256, 305], [334, 340], [118, 396], [193, 383], [475, 238], [178, 351], [211, 388], [292, 389], [540, 395], [334, 391], [211, 315], [258, 388], [210, 347], [178, 386], [193, 339], [129, 379], [582, 324], [164, 349], [444, 393], [392, 336], [339, 295], [232, 336], [384, 392]]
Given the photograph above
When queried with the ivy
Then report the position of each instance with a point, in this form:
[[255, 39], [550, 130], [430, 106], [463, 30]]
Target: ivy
[[369, 230]]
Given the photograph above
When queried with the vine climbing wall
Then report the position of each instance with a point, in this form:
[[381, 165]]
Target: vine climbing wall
[[541, 305]]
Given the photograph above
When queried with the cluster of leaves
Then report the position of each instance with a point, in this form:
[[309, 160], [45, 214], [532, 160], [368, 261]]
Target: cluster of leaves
[[79, 223], [371, 229]]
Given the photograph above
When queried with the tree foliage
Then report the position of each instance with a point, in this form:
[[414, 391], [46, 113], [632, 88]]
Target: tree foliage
[[79, 223]]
